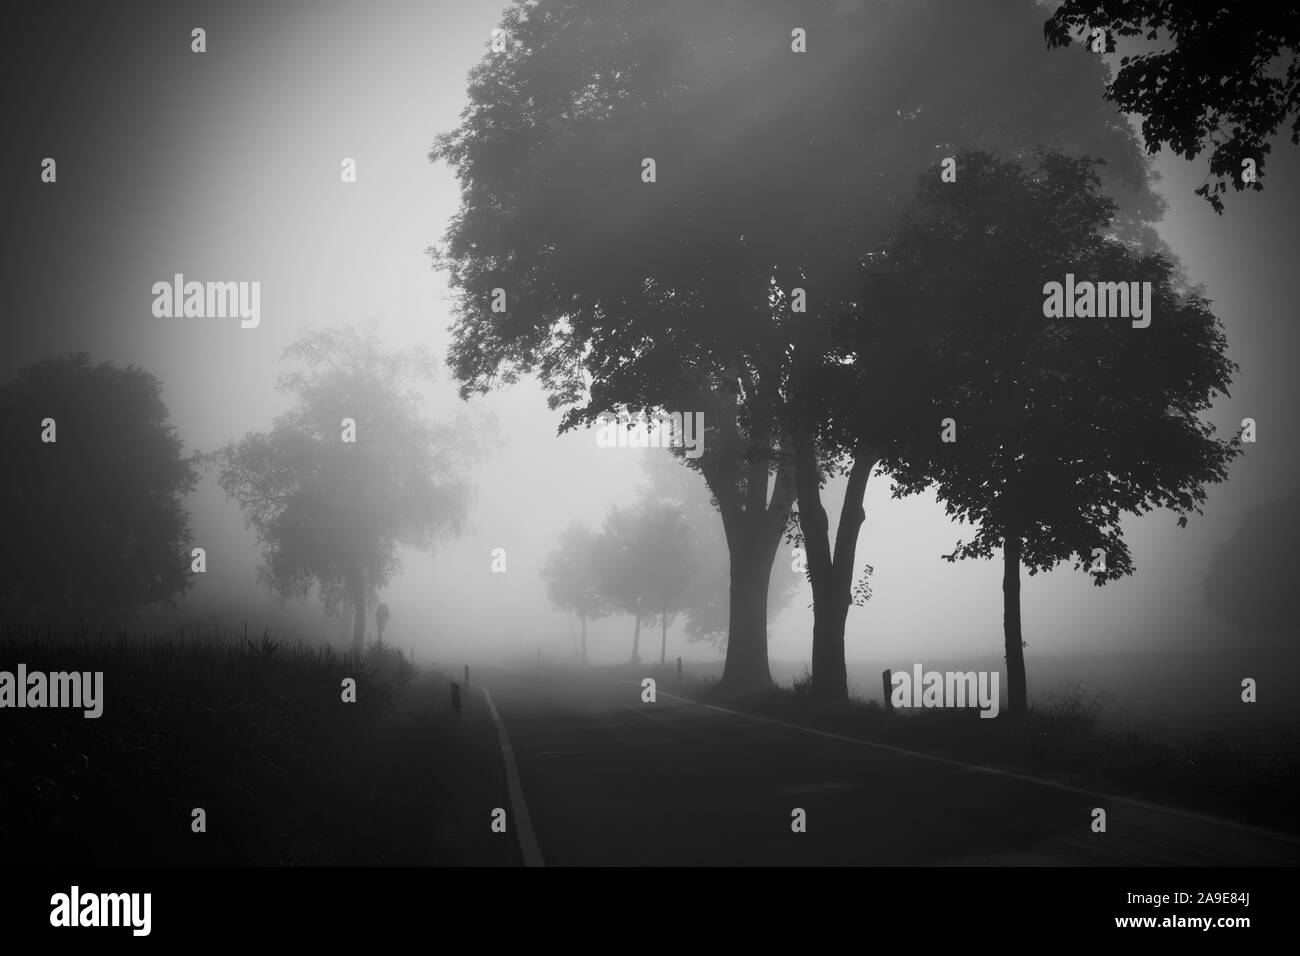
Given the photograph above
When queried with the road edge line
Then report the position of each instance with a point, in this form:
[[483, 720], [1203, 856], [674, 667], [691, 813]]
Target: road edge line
[[524, 834]]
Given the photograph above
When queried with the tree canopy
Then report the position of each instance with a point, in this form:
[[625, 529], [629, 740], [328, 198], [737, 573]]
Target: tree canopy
[[94, 521], [329, 502], [646, 559], [572, 574], [1048, 430]]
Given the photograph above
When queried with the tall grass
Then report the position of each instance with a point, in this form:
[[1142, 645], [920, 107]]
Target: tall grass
[[252, 731]]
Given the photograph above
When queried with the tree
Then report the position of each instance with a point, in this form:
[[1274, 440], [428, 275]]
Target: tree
[[646, 558], [772, 170], [329, 511], [1228, 81], [669, 555], [95, 527], [572, 574], [1062, 425], [829, 443], [703, 601], [620, 567]]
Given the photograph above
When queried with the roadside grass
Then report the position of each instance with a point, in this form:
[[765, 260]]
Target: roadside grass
[[253, 731]]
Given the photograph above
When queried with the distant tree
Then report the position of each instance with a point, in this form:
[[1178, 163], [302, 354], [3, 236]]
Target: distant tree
[[1251, 585], [573, 577], [670, 556], [1229, 80], [94, 527], [619, 565], [645, 556], [1062, 425], [331, 513]]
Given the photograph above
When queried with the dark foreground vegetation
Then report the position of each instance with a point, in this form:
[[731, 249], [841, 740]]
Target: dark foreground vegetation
[[256, 734]]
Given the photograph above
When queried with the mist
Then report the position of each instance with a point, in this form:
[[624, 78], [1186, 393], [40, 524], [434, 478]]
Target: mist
[[233, 171], [226, 167]]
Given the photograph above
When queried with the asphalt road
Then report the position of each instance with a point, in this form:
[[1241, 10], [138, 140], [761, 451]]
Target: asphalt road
[[611, 781]]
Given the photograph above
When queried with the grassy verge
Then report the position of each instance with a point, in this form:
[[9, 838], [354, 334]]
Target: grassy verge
[[254, 733]]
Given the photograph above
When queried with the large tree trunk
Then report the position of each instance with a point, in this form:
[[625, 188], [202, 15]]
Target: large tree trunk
[[830, 679], [636, 637], [831, 573], [738, 468], [584, 639], [359, 621], [1017, 689], [746, 667]]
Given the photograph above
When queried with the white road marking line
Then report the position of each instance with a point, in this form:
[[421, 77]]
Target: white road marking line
[[523, 822], [1023, 778]]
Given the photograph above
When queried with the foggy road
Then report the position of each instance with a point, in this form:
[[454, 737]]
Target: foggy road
[[609, 780]]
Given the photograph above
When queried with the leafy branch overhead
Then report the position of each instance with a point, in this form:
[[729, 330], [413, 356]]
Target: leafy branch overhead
[[1225, 77]]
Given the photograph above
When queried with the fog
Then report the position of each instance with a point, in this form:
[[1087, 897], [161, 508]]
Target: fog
[[308, 569], [230, 168]]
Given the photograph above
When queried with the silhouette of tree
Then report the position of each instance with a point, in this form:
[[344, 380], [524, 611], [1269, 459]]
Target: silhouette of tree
[[572, 574], [646, 557], [1063, 425], [1228, 81], [670, 554], [774, 170], [331, 513], [94, 527]]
